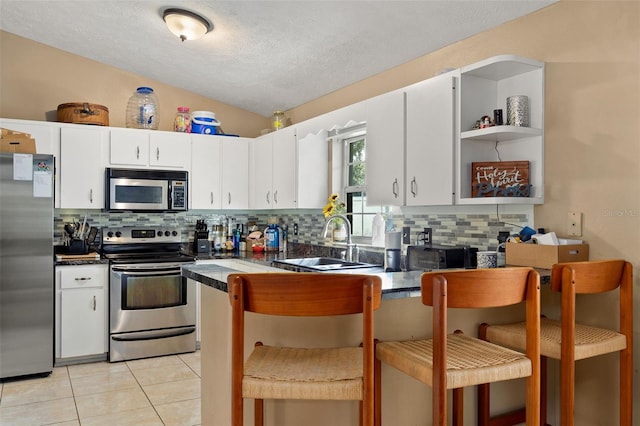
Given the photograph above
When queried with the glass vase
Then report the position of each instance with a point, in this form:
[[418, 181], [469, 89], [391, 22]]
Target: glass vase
[[339, 232]]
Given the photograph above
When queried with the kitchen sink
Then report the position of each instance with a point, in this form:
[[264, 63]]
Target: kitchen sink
[[323, 264]]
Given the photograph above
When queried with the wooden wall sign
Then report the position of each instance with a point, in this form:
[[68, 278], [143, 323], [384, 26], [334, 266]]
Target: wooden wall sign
[[500, 179]]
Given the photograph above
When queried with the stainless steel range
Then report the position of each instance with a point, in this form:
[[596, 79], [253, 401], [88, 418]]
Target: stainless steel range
[[152, 308]]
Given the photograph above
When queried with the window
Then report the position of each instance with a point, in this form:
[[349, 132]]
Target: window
[[355, 172]]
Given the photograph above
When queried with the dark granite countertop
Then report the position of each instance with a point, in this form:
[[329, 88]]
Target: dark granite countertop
[[394, 284]]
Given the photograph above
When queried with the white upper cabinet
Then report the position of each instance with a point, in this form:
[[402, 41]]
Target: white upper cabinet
[[149, 148], [312, 184], [45, 133], [288, 172], [385, 149], [484, 87], [47, 137], [204, 179], [284, 169], [430, 141], [82, 167], [261, 172], [235, 172]]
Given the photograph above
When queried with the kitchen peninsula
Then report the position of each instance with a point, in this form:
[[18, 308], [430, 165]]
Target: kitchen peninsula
[[401, 316]]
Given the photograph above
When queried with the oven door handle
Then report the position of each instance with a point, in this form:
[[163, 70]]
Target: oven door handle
[[147, 272], [154, 335]]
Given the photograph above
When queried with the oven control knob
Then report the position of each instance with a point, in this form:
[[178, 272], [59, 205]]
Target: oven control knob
[[167, 233], [159, 233], [118, 234], [174, 233], [110, 234]]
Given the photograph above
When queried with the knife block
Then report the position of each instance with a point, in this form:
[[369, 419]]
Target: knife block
[[77, 247], [201, 243]]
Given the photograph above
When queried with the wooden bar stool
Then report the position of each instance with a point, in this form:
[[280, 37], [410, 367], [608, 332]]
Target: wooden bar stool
[[569, 341], [273, 372], [454, 361]]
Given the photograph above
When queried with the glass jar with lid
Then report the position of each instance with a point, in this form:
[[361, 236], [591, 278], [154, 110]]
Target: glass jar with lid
[[278, 121], [182, 121]]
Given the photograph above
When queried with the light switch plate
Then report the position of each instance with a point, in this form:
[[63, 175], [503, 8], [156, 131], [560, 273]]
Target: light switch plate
[[406, 235]]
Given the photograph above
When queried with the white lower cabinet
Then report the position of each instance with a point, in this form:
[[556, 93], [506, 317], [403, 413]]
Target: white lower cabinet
[[81, 311]]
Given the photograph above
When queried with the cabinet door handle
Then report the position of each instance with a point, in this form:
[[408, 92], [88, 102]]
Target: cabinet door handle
[[395, 188], [211, 197], [91, 195], [94, 303], [275, 197], [158, 154], [137, 152], [229, 197], [414, 187], [267, 197], [82, 278]]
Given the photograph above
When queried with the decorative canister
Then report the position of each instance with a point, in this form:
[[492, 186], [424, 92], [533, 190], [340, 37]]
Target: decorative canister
[[83, 113], [518, 111]]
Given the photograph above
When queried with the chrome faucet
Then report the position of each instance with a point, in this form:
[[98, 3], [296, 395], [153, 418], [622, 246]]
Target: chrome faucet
[[351, 247]]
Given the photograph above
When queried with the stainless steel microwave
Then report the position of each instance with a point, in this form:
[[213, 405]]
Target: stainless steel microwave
[[146, 190]]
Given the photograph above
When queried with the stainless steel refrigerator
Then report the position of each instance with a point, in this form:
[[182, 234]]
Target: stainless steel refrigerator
[[26, 264]]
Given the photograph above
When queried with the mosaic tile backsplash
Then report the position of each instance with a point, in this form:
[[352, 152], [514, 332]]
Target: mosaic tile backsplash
[[476, 230]]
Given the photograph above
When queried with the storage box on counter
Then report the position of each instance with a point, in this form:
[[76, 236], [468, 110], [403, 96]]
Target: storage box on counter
[[544, 256], [13, 141]]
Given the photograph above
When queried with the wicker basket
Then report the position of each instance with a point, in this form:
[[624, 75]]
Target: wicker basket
[[83, 113]]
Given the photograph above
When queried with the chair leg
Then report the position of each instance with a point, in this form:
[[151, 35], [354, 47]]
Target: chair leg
[[543, 390], [567, 392], [258, 412], [377, 391], [457, 416], [484, 395], [626, 387]]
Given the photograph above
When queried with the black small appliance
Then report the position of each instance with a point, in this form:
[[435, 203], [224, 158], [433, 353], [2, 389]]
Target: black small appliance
[[201, 243], [425, 258]]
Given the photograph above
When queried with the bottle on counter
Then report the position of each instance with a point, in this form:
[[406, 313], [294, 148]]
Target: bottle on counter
[[182, 121], [142, 109], [271, 235], [217, 238], [237, 237]]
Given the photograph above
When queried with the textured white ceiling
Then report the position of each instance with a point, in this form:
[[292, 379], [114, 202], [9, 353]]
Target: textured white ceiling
[[261, 55]]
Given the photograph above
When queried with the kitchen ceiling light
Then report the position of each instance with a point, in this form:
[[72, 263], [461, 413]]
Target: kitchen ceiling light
[[185, 24]]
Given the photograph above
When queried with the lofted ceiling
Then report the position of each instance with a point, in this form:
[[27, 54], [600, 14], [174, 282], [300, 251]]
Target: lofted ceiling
[[262, 55]]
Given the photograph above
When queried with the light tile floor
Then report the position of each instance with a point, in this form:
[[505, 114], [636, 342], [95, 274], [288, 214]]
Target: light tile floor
[[153, 391]]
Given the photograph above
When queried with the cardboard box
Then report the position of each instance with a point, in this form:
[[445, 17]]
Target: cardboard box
[[12, 141], [544, 256]]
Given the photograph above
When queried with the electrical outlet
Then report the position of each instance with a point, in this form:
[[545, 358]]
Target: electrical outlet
[[406, 235], [424, 237], [428, 236], [574, 224]]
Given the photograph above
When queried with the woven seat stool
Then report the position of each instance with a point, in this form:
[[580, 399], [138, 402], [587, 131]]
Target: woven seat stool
[[454, 361], [569, 341], [273, 372]]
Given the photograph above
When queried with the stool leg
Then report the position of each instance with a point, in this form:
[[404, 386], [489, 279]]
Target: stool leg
[[626, 387], [484, 396], [258, 412], [484, 392], [567, 392], [377, 392], [457, 417], [543, 390]]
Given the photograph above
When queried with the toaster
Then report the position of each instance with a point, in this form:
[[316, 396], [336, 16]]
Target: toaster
[[429, 257]]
